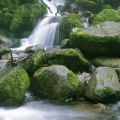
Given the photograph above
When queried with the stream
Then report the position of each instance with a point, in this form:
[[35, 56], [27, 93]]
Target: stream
[[46, 110], [50, 110]]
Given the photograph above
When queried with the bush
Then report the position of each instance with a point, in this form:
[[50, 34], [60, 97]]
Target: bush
[[26, 17]]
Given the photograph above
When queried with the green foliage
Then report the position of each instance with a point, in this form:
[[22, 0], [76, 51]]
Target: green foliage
[[26, 17], [37, 11], [106, 15], [68, 23], [5, 20], [7, 12], [96, 6]]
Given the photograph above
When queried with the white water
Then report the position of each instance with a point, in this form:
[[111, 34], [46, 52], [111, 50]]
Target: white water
[[45, 31], [85, 22], [46, 110]]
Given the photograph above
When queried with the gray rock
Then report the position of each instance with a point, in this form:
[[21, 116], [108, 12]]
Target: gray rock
[[35, 48], [107, 62], [73, 59], [55, 82], [103, 86]]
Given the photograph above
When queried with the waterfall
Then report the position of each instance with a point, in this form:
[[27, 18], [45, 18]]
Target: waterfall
[[45, 31], [85, 21]]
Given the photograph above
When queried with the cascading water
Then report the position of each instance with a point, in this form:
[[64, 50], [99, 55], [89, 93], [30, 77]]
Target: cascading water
[[85, 22], [45, 31]]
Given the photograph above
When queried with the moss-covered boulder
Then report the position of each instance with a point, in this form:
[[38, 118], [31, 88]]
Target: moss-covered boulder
[[13, 84], [73, 59], [68, 23], [55, 83], [106, 15], [107, 62], [103, 86], [25, 18], [88, 5], [101, 40], [96, 6], [32, 62]]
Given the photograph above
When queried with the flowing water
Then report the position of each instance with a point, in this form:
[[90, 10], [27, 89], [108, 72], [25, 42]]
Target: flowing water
[[45, 34], [46, 29], [47, 110]]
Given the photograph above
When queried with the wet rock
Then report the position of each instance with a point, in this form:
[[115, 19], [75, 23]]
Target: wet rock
[[55, 82], [35, 48], [103, 40], [15, 44], [31, 62], [4, 40], [71, 58], [13, 84], [83, 81], [103, 86], [3, 49], [65, 43], [107, 62]]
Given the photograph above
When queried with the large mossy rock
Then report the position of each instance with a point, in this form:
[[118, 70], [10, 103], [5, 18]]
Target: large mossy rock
[[68, 23], [96, 6], [25, 19], [103, 86], [101, 40], [73, 59], [107, 62], [55, 82], [13, 84], [32, 62], [106, 15]]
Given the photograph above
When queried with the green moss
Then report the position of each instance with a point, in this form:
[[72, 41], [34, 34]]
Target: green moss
[[5, 20], [107, 91], [71, 58], [110, 75], [33, 63], [106, 15], [102, 81], [98, 45], [96, 6], [50, 84], [73, 79], [26, 17], [13, 84], [92, 91], [68, 23], [107, 62]]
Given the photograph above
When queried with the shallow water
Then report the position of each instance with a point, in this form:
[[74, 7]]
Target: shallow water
[[46, 110]]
